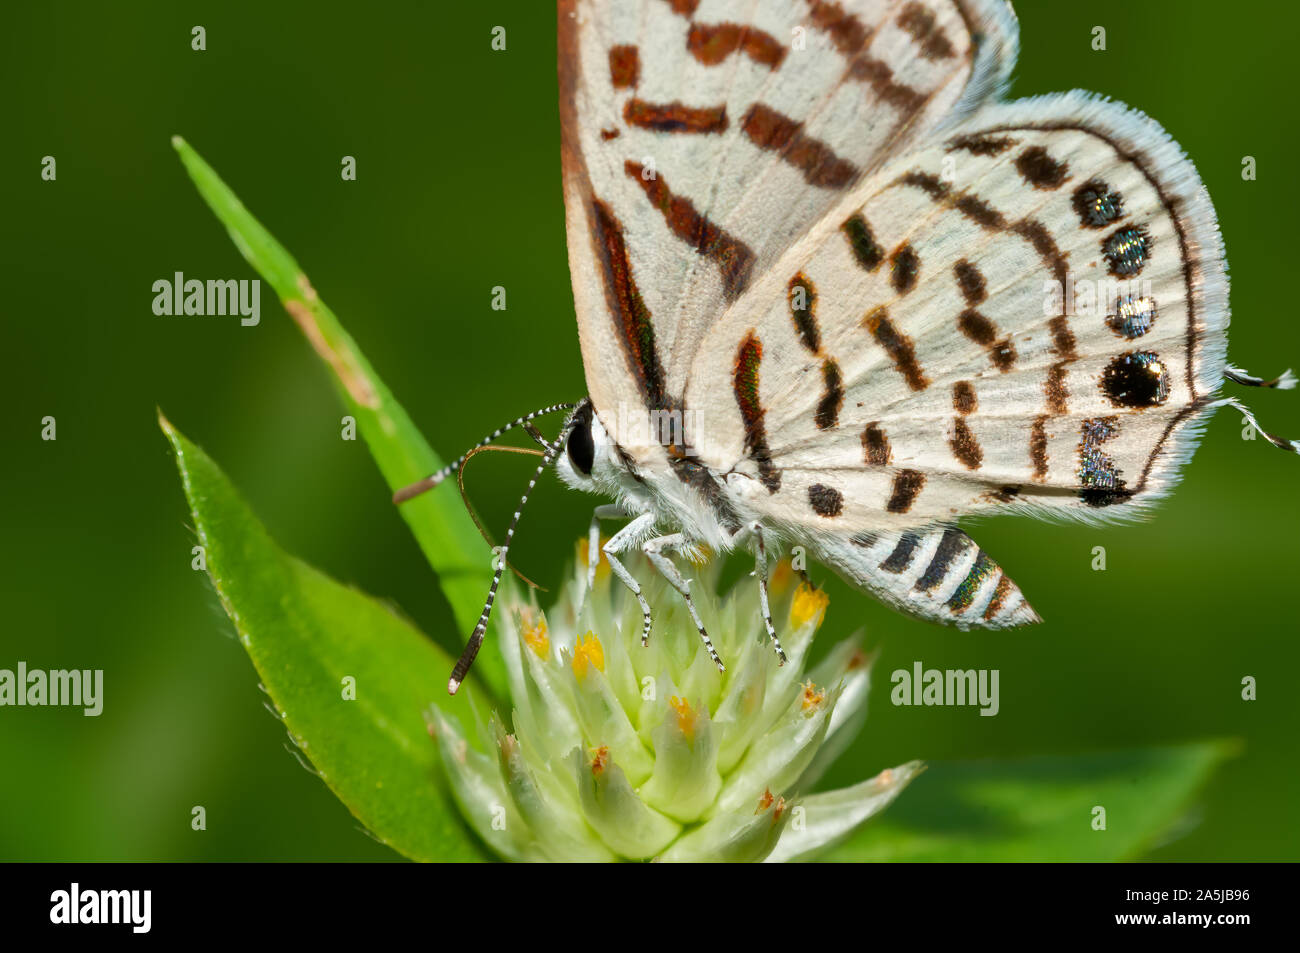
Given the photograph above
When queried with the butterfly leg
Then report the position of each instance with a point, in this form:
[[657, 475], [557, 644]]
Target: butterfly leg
[[760, 571], [606, 511], [619, 542], [653, 548]]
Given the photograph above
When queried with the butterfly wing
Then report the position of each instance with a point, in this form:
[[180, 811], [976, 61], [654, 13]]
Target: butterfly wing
[[1027, 314], [702, 138]]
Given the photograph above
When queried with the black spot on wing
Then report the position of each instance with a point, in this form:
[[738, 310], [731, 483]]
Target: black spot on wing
[[1127, 250], [1037, 167], [1097, 204], [1136, 379], [825, 501]]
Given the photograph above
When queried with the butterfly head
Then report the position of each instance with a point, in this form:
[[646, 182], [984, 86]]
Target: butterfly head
[[589, 459]]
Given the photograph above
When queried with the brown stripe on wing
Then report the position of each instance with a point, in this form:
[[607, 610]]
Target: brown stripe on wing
[[734, 259], [931, 185], [828, 408], [624, 66], [802, 292], [744, 383], [875, 446], [632, 318], [1038, 448], [918, 20], [776, 132], [684, 8], [675, 117], [847, 32], [880, 78], [903, 266], [907, 486], [1058, 395], [862, 242], [897, 345], [977, 327], [964, 445], [981, 145], [713, 43], [964, 400], [979, 211], [971, 282]]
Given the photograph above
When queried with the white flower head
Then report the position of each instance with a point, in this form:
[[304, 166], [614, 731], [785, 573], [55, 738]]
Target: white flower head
[[624, 751]]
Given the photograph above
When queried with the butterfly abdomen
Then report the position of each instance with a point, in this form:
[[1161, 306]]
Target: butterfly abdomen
[[939, 574]]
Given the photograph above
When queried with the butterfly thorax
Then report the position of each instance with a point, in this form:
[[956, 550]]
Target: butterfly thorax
[[669, 480]]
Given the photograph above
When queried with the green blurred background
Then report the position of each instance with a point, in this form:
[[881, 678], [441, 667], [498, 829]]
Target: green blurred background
[[458, 190]]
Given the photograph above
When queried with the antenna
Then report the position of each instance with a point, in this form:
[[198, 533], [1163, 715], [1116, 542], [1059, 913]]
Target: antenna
[[476, 639], [429, 482]]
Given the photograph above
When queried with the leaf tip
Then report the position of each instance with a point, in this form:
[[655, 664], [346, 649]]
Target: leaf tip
[[165, 424]]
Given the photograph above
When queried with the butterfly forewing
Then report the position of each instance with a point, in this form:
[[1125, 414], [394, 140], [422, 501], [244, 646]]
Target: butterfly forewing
[[702, 138]]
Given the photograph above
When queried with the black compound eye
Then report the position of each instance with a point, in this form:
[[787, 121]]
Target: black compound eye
[[582, 448]]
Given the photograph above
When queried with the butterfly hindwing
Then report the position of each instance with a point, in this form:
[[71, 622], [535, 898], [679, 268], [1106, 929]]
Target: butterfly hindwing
[[701, 138], [929, 351]]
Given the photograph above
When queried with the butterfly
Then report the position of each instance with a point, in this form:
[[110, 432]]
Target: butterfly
[[832, 290]]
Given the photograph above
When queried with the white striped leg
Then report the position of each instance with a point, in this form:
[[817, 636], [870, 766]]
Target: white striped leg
[[653, 548], [606, 511], [760, 570], [621, 541]]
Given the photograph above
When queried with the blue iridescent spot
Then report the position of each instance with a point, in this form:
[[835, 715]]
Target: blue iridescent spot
[[1127, 250], [1134, 316]]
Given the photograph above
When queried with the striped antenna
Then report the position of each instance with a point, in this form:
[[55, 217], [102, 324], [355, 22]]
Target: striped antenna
[[429, 482], [476, 639]]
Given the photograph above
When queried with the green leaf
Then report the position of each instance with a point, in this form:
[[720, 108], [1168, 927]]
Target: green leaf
[[1039, 809], [444, 531], [305, 633]]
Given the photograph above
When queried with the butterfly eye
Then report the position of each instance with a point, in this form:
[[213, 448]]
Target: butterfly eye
[[581, 447]]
